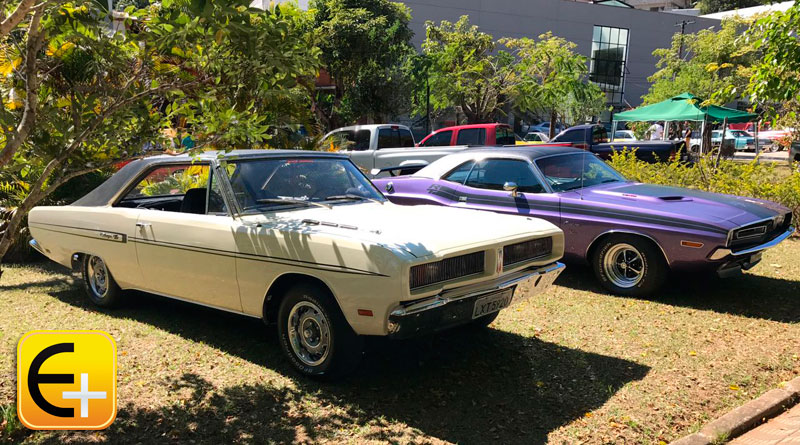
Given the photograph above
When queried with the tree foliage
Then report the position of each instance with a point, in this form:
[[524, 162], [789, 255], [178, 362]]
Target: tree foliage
[[365, 45], [219, 71], [776, 77], [714, 65], [550, 77]]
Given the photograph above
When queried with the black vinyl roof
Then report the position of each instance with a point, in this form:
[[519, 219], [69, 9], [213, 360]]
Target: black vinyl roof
[[105, 193]]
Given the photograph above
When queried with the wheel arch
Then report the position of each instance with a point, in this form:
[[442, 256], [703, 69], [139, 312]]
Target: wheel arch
[[277, 290], [599, 238]]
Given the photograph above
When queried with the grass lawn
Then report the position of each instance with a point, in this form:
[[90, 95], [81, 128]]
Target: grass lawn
[[573, 366]]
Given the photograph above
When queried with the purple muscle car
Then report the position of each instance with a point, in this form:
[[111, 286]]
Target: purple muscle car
[[631, 233]]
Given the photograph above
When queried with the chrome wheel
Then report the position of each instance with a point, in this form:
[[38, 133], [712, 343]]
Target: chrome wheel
[[97, 274], [623, 265], [309, 333]]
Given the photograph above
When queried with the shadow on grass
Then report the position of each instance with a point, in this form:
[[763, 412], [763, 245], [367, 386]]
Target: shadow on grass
[[466, 386], [747, 295]]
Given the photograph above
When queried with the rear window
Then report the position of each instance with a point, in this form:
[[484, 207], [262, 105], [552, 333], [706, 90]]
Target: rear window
[[439, 139], [471, 136], [570, 136], [505, 136], [599, 135], [395, 138], [348, 140]]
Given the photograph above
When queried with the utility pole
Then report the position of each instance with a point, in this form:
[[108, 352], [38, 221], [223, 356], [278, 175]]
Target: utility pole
[[682, 24]]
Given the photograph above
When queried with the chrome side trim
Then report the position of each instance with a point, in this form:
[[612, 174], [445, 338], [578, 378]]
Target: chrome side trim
[[722, 252], [35, 244], [628, 232], [471, 291]]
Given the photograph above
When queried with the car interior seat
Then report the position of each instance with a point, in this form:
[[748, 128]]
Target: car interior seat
[[194, 201]]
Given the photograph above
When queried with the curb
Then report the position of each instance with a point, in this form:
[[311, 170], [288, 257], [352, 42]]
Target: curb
[[745, 417]]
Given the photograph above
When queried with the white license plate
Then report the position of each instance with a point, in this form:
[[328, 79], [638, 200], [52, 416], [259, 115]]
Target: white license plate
[[492, 303]]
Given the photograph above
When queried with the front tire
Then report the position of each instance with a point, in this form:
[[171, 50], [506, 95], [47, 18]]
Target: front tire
[[629, 265], [99, 284], [315, 336]]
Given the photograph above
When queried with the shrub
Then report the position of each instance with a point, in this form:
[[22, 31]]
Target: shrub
[[765, 180]]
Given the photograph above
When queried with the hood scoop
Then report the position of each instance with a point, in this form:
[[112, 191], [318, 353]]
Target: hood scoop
[[674, 198]]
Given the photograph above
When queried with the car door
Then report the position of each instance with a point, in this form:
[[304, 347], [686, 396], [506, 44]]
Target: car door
[[483, 189], [188, 251]]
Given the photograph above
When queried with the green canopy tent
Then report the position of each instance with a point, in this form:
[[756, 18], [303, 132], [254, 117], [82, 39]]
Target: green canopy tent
[[684, 107]]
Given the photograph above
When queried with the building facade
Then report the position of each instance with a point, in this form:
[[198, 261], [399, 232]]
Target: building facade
[[618, 41]]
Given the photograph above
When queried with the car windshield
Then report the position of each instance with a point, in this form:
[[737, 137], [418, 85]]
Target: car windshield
[[273, 184], [572, 171]]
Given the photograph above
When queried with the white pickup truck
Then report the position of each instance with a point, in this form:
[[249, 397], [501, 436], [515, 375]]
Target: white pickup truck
[[377, 147]]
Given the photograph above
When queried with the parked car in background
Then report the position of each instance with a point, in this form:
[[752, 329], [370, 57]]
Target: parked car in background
[[301, 239], [544, 127], [794, 152], [624, 136], [742, 140], [474, 135], [368, 137], [594, 138], [534, 137], [632, 234]]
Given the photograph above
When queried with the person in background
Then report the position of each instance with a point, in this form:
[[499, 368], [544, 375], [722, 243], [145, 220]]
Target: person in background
[[656, 132], [687, 134]]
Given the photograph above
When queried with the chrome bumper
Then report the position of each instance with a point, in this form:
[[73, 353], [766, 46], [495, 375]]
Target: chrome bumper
[[723, 252], [445, 310], [35, 244]]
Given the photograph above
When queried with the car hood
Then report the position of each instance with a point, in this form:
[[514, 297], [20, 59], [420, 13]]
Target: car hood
[[725, 211], [422, 230]]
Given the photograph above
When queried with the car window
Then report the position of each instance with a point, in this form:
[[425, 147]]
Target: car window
[[348, 140], [278, 184], [216, 204], [395, 138], [599, 135], [570, 136], [170, 180], [492, 174], [471, 136], [439, 139], [460, 173], [505, 136], [533, 137], [573, 171]]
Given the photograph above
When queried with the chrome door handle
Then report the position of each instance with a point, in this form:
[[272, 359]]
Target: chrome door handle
[[143, 225]]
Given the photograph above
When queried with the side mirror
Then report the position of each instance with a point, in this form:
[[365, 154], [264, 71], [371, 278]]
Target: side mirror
[[511, 187]]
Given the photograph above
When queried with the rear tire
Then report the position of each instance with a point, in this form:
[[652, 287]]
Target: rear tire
[[314, 335], [629, 265], [100, 286]]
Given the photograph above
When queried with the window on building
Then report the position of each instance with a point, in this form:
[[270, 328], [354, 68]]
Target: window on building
[[609, 57]]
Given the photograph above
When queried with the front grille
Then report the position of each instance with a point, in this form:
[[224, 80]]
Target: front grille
[[448, 269], [527, 250], [760, 232]]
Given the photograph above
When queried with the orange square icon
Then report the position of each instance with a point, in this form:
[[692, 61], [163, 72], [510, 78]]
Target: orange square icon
[[66, 380]]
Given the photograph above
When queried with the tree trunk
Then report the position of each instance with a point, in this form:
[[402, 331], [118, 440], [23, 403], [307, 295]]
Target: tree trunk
[[552, 124]]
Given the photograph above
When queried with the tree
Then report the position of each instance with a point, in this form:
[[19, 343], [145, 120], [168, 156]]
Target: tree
[[550, 77], [98, 98], [776, 77], [364, 48], [467, 70], [713, 65], [712, 6]]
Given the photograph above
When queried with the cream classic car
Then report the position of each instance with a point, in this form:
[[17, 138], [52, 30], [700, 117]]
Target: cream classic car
[[301, 239]]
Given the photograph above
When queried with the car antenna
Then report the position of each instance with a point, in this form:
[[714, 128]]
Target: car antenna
[[583, 164]]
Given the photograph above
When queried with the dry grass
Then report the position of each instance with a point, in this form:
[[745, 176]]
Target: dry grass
[[574, 366]]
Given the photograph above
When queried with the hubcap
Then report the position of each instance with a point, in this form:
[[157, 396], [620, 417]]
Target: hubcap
[[98, 276], [623, 265], [309, 333]]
